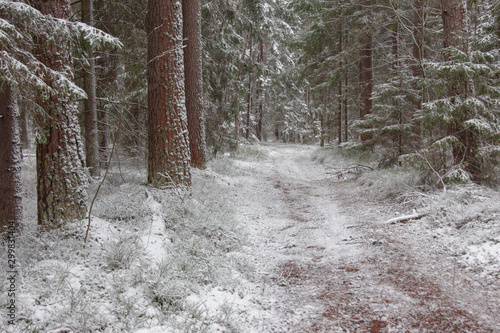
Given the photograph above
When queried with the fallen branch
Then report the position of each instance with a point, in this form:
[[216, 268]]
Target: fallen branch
[[405, 218], [353, 169]]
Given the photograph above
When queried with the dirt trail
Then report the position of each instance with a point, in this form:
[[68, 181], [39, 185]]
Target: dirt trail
[[324, 264]]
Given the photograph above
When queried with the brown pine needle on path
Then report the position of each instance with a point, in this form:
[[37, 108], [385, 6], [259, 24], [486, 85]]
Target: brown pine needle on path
[[327, 262]]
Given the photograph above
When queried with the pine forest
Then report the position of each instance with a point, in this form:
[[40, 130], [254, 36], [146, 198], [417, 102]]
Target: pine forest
[[249, 166]]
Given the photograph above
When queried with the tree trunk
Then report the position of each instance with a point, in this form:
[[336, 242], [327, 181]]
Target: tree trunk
[[90, 104], [346, 116], [24, 126], [417, 50], [103, 138], [191, 10], [249, 96], [454, 31], [417, 66], [169, 156], [10, 160], [366, 71], [260, 96], [61, 180], [322, 120], [339, 115]]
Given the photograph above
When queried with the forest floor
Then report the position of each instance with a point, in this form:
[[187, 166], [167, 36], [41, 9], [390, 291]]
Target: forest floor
[[277, 238], [327, 261]]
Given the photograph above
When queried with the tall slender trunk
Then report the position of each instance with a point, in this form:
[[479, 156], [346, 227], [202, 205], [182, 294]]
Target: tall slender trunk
[[191, 11], [260, 115], [417, 66], [323, 120], [454, 30], [346, 115], [366, 71], [339, 111], [396, 72], [10, 160], [168, 150], [24, 125], [249, 96], [103, 138], [417, 50], [90, 104], [61, 180]]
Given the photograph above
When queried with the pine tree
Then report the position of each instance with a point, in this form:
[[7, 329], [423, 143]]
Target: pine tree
[[32, 55], [169, 157], [61, 180]]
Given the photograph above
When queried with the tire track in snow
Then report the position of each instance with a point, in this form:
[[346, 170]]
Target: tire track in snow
[[320, 270]]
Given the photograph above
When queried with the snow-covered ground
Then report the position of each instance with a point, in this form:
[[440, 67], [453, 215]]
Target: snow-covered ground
[[271, 240]]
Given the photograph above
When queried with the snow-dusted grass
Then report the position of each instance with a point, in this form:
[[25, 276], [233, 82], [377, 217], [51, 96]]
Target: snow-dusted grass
[[381, 184], [465, 218], [178, 261], [152, 259]]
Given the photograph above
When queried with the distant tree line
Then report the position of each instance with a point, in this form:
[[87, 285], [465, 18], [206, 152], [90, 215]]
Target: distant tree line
[[413, 81]]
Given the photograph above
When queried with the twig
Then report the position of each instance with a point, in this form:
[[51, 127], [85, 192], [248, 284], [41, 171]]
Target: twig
[[97, 191], [433, 170]]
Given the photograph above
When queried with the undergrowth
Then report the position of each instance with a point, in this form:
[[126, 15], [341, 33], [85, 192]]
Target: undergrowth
[[148, 253], [465, 217]]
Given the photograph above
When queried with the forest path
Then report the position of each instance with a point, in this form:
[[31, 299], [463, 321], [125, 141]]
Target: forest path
[[323, 265]]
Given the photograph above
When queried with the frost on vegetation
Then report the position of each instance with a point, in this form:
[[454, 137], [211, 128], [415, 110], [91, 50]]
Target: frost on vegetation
[[250, 152], [115, 283], [468, 219], [19, 23]]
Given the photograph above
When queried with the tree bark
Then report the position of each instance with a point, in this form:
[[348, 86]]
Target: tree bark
[[191, 10], [61, 180], [24, 125], [417, 66], [417, 50], [346, 86], [323, 120], [339, 115], [260, 97], [454, 30], [366, 71], [249, 96], [10, 160], [90, 104], [168, 151]]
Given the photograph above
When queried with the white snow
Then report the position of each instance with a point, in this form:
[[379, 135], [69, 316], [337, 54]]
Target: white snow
[[267, 242]]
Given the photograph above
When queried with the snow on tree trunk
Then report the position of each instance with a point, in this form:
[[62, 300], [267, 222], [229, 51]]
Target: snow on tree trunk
[[61, 180], [169, 156], [90, 104], [191, 10], [10, 159]]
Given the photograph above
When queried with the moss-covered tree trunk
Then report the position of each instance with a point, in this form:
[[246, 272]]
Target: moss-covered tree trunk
[[61, 180], [10, 160], [169, 156]]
